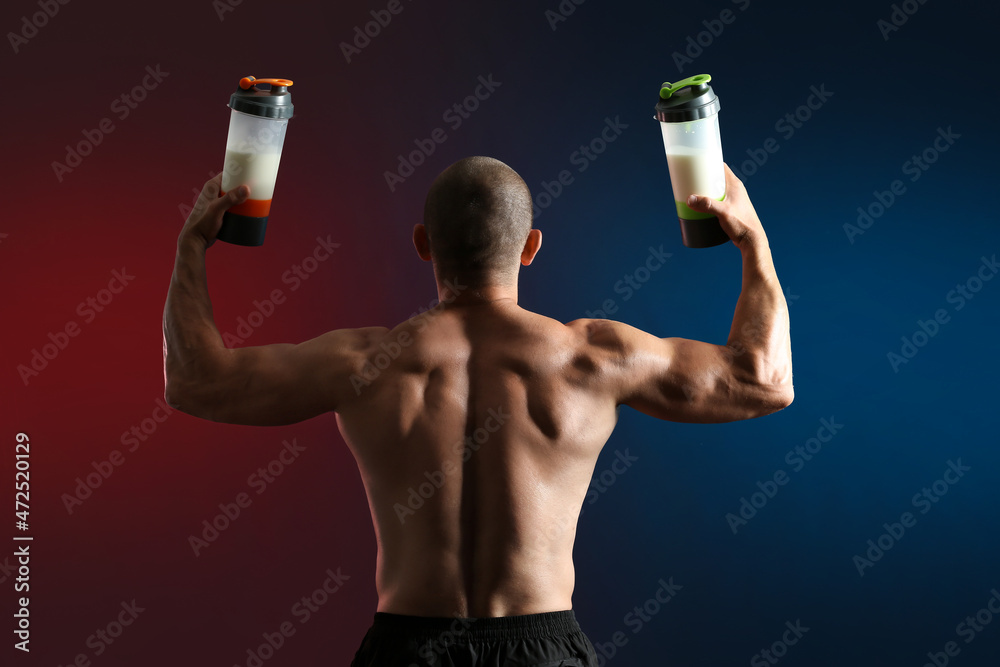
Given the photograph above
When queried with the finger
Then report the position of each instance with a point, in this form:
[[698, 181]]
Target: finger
[[703, 204], [237, 195], [211, 188]]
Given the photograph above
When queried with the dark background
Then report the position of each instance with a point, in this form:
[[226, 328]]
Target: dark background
[[852, 299]]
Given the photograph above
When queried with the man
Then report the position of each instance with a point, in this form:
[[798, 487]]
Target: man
[[495, 413]]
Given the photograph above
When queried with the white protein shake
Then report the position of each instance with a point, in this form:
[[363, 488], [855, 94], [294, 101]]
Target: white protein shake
[[695, 172], [258, 170]]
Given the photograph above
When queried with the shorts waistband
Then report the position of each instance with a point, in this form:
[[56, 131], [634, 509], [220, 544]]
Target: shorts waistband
[[545, 624]]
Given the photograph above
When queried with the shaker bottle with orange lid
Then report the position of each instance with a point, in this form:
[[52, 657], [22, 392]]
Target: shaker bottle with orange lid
[[256, 133]]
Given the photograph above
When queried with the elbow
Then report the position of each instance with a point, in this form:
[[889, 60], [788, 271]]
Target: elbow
[[170, 395], [784, 390], [174, 395], [173, 382], [761, 399], [191, 388], [181, 397], [785, 396], [770, 383], [775, 398]]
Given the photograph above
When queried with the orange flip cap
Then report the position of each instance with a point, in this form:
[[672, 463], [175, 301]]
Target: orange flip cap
[[248, 81]]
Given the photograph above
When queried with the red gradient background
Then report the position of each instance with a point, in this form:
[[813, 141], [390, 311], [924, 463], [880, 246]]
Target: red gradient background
[[120, 209]]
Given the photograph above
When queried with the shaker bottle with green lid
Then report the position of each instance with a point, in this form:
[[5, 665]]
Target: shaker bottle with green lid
[[688, 112]]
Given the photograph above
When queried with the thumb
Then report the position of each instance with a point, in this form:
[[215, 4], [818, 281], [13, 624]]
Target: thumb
[[703, 204], [237, 195]]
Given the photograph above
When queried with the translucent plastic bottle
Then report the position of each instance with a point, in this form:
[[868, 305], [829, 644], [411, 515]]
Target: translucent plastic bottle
[[688, 112], [253, 151]]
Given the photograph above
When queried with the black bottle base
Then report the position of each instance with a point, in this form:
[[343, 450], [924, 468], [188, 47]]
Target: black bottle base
[[242, 229], [703, 233]]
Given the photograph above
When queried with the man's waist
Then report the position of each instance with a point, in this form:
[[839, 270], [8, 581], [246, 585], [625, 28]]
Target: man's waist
[[545, 624]]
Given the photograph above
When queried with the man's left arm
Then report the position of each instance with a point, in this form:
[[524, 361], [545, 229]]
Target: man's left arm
[[266, 385]]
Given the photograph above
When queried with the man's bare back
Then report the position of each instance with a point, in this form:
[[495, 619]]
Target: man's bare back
[[477, 425], [477, 446]]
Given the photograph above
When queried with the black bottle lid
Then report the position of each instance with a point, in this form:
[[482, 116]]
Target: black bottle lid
[[272, 102], [687, 100]]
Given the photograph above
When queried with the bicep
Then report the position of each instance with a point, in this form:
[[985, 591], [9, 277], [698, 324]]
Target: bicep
[[678, 379], [284, 383], [684, 380]]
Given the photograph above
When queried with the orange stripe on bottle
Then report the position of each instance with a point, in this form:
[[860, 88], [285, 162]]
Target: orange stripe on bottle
[[253, 208]]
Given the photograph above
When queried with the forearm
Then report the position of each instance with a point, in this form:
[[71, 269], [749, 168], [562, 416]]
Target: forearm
[[190, 336], [759, 336]]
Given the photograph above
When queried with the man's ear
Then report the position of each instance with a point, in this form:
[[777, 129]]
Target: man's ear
[[421, 242], [531, 246]]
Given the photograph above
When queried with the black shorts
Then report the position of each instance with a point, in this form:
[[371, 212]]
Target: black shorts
[[552, 639]]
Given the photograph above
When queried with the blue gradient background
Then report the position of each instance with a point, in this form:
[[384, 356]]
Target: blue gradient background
[[850, 304]]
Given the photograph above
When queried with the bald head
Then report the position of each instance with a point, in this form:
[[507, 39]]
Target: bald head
[[477, 216]]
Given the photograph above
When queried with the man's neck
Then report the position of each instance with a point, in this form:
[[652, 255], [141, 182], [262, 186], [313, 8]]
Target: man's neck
[[456, 293]]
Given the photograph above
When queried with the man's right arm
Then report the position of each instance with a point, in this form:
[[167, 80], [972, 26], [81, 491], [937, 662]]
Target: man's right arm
[[691, 381]]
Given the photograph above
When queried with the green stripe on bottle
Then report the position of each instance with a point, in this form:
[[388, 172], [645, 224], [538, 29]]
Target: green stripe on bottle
[[684, 211]]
